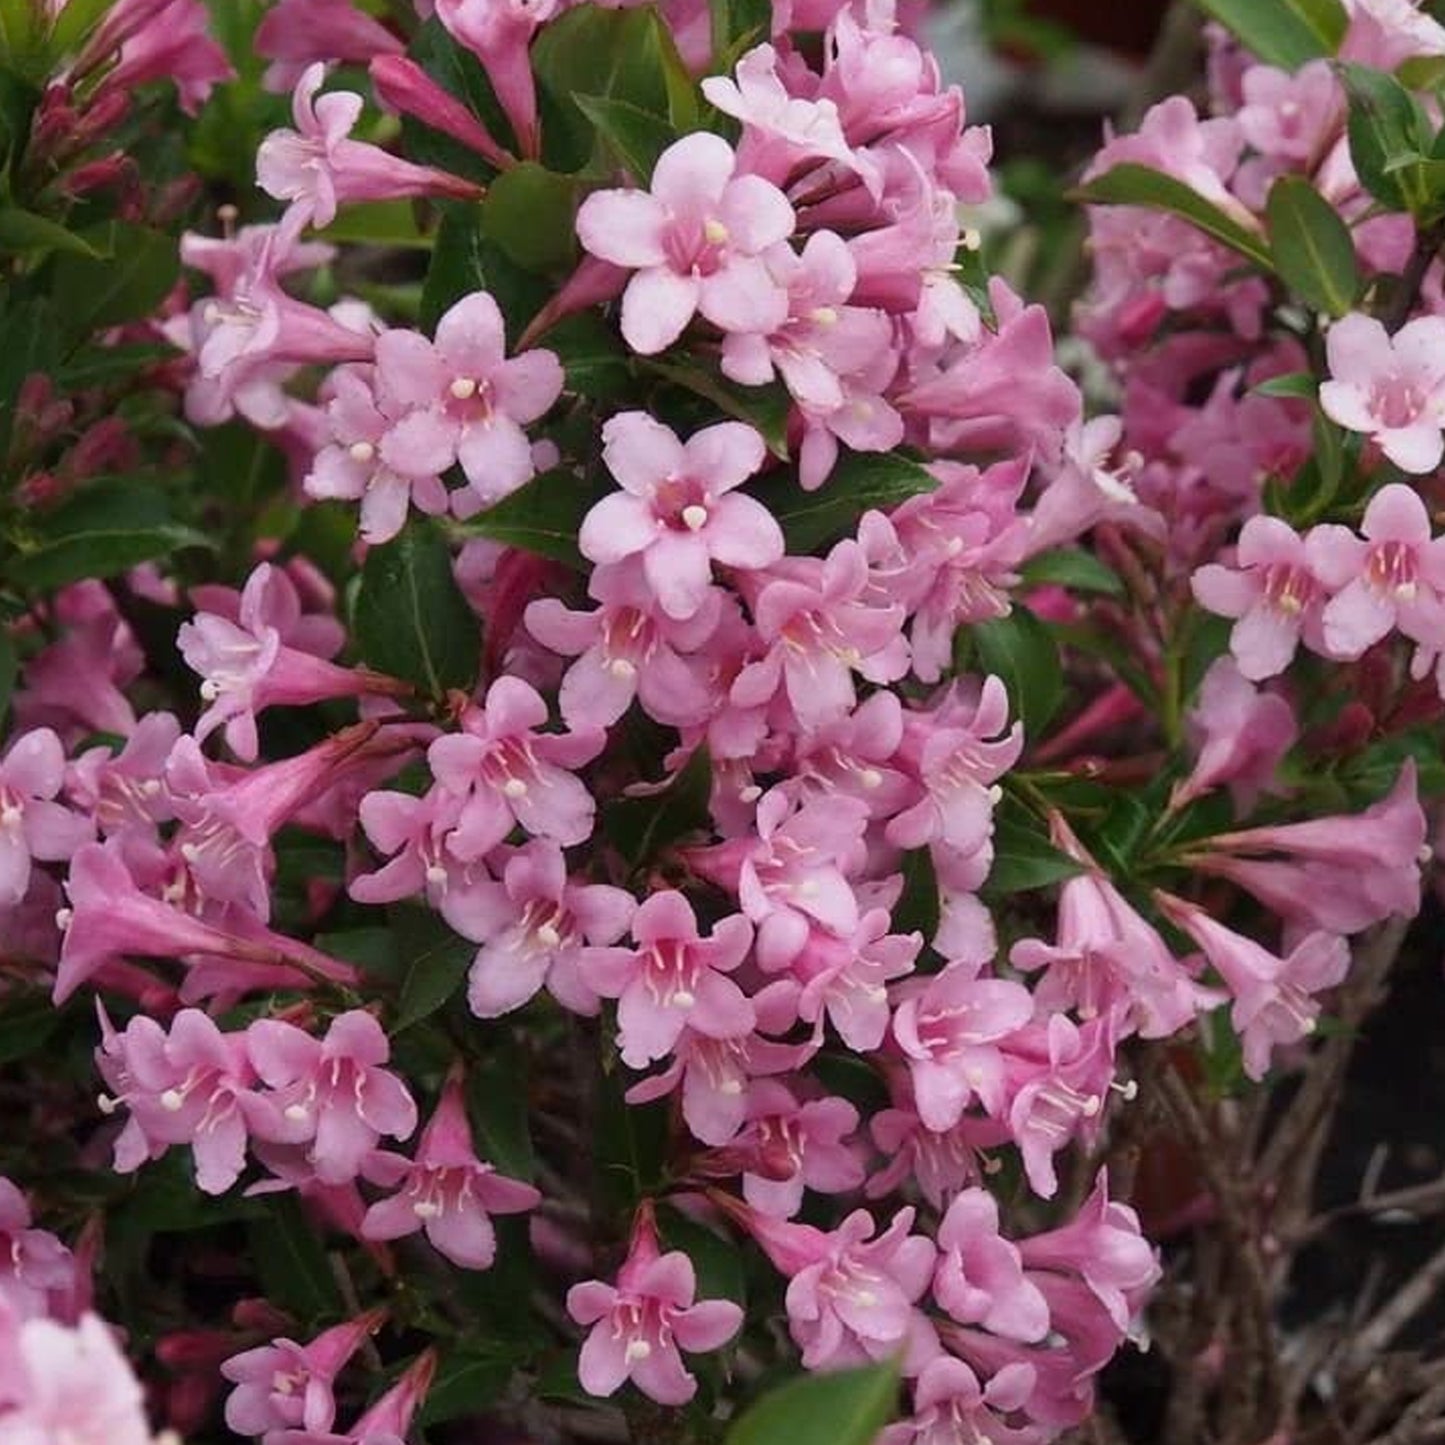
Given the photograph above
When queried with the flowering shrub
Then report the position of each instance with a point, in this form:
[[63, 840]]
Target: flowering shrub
[[612, 789]]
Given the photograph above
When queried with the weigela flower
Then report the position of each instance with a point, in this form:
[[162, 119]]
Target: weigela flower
[[638, 1326], [695, 242], [32, 824], [446, 1190], [678, 508], [980, 1276]]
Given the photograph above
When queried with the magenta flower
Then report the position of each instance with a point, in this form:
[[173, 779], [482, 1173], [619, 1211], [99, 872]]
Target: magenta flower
[[1394, 578], [819, 630], [32, 824], [509, 773], [675, 978], [1274, 998], [639, 1325], [677, 509], [695, 242], [543, 928], [465, 400], [939, 1163], [1273, 590], [851, 1301], [317, 167], [127, 790], [350, 466], [294, 34], [191, 1087], [1392, 388], [948, 1027], [331, 1094], [788, 1145], [447, 1191], [284, 1385], [628, 648], [980, 1277]]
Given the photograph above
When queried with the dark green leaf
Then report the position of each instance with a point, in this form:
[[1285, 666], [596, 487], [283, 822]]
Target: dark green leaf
[[104, 365], [642, 828], [764, 407], [736, 26], [378, 223], [1293, 386], [1386, 127], [456, 268], [22, 36], [528, 214], [497, 1103], [844, 1407], [715, 1260], [860, 482], [291, 1260], [74, 24], [542, 517], [411, 618], [27, 1022], [594, 359], [1312, 247], [1135, 185], [1024, 859], [1286, 33], [467, 1381], [919, 906], [434, 961], [135, 271], [9, 666], [637, 137], [25, 231], [27, 345], [1073, 568], [1021, 652], [107, 529]]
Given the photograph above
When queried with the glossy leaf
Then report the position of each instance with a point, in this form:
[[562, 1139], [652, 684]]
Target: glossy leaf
[[919, 906], [1136, 185], [1075, 569], [528, 214], [1021, 652], [132, 273], [411, 618], [1286, 33], [22, 230], [542, 516], [1312, 247], [636, 136], [1024, 859], [1387, 131], [292, 1262], [642, 828], [594, 359], [434, 962], [843, 1407], [764, 407]]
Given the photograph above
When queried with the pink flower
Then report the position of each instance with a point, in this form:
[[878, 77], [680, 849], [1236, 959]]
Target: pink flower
[[678, 509], [284, 1385], [847, 977], [127, 790], [37, 1271], [465, 400], [850, 1300], [1291, 117], [316, 167], [628, 648], [192, 1086], [543, 928], [387, 1422], [32, 824], [674, 979], [1274, 591], [949, 1405], [351, 467], [509, 773], [948, 1027], [157, 40], [331, 1094], [638, 1326], [1394, 578], [696, 243], [939, 1163], [68, 1385], [788, 1145], [1390, 387], [1240, 734], [447, 1190], [295, 33], [980, 1278], [1274, 999]]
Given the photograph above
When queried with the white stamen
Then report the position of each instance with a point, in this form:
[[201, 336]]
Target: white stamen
[[694, 517], [621, 668], [463, 388], [106, 1104], [971, 239], [173, 1101], [715, 232], [750, 794], [436, 875], [824, 316], [683, 999], [548, 936], [871, 778], [296, 1113], [637, 1350], [515, 788], [731, 1087], [426, 1209], [62, 918], [361, 452], [210, 689]]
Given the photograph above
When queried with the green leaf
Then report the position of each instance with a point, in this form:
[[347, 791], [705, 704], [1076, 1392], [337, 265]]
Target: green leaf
[[74, 24], [133, 273], [1136, 185], [595, 361], [1386, 127], [434, 961], [9, 667], [919, 906], [528, 214], [25, 231], [497, 1104], [543, 517], [1312, 247], [456, 268], [27, 1022], [636, 136], [642, 828], [107, 529], [716, 1261], [844, 1407], [860, 482], [467, 1381], [378, 223], [736, 26], [291, 1260], [1021, 652], [1073, 568], [1293, 386], [22, 36], [763, 407], [28, 330], [1286, 33], [411, 618], [1024, 859]]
